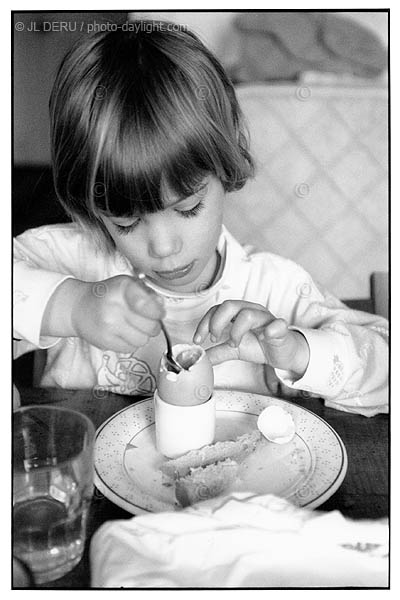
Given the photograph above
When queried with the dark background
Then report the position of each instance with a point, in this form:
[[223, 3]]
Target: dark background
[[36, 57]]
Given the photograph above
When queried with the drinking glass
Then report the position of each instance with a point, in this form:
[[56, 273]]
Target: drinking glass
[[52, 488]]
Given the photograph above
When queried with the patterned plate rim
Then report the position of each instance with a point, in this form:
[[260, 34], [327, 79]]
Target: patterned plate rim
[[314, 502]]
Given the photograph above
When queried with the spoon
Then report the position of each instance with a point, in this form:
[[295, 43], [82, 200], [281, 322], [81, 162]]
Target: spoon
[[173, 365]]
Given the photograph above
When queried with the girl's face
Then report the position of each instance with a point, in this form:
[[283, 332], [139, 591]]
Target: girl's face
[[175, 247]]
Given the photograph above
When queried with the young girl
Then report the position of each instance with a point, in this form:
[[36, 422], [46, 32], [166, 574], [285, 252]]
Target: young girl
[[147, 142]]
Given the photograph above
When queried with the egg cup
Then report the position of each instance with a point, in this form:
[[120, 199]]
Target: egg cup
[[183, 428]]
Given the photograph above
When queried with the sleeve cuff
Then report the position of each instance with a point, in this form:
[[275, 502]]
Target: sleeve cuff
[[326, 371], [32, 292]]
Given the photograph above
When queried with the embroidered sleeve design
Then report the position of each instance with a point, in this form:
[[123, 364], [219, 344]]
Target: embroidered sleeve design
[[125, 375], [336, 375]]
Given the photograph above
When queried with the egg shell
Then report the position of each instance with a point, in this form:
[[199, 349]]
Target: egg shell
[[276, 424], [191, 386]]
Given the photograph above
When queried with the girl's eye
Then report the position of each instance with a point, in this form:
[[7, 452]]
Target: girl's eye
[[192, 211], [125, 229]]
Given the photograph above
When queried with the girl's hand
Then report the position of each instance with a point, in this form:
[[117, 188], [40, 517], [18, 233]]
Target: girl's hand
[[277, 388], [117, 314], [252, 333]]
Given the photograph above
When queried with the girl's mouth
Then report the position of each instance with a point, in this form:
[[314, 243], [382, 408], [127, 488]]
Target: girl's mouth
[[176, 273]]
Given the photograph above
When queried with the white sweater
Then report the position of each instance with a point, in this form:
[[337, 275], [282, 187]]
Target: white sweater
[[348, 349]]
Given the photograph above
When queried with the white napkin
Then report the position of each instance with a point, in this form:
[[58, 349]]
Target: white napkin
[[240, 540]]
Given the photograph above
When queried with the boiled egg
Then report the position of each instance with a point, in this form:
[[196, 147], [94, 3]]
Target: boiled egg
[[276, 424], [194, 384]]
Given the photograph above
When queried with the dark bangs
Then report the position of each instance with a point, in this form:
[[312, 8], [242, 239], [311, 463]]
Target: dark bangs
[[152, 155], [139, 116]]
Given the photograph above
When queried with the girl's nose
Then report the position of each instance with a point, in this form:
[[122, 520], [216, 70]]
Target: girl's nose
[[164, 240]]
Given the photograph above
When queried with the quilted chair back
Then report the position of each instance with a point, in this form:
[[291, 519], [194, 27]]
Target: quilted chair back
[[320, 195]]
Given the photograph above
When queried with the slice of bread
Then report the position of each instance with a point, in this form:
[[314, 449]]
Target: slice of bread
[[206, 482], [236, 450]]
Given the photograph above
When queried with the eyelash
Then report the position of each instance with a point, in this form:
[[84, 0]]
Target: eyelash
[[124, 230], [193, 211], [186, 214]]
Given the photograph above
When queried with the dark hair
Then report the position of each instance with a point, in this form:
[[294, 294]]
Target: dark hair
[[137, 114]]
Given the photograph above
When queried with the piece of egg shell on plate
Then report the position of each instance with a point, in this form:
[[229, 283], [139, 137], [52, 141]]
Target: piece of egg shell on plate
[[194, 384], [276, 424]]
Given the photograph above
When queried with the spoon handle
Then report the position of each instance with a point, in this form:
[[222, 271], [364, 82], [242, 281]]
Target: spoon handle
[[175, 366], [167, 338]]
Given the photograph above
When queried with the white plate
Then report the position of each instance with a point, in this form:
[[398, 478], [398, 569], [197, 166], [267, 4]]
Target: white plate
[[307, 470]]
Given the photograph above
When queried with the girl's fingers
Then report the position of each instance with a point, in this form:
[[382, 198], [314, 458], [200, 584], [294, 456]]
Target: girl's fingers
[[203, 328], [149, 327], [275, 341], [284, 348], [247, 320], [248, 350], [222, 352], [132, 340], [144, 301], [271, 380], [218, 318], [276, 331], [275, 385]]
